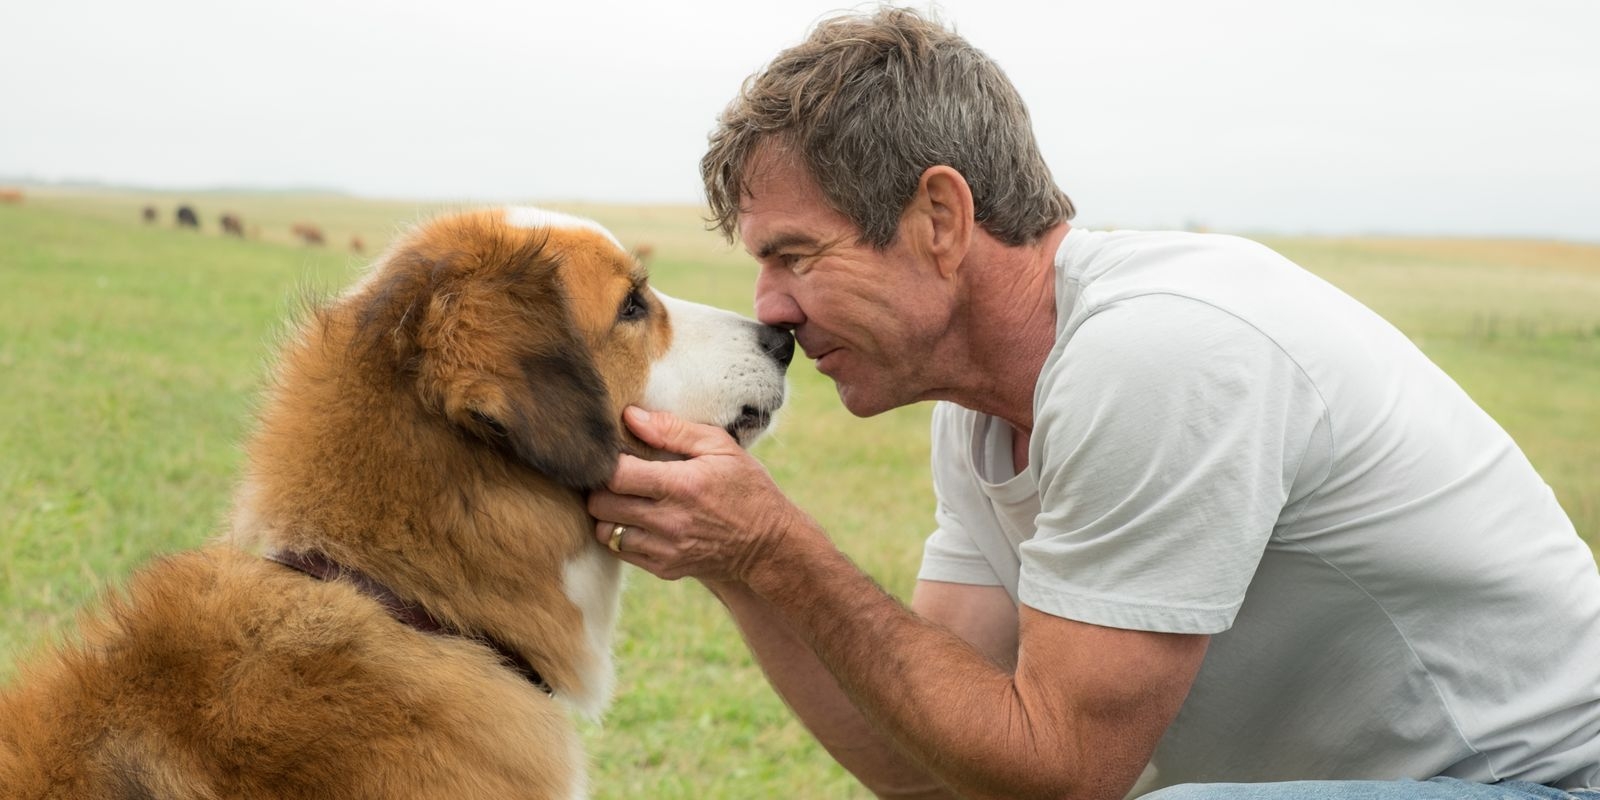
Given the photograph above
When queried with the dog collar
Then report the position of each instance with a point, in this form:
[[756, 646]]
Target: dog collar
[[411, 614]]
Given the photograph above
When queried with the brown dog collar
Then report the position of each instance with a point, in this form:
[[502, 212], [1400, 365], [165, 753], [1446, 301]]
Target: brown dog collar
[[323, 568]]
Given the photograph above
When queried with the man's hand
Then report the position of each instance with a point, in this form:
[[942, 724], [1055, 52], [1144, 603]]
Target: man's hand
[[710, 517], [1077, 716]]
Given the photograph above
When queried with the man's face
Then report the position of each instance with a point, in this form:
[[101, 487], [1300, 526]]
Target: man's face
[[869, 318]]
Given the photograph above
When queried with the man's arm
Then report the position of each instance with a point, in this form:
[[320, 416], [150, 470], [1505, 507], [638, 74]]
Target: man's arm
[[984, 616], [1078, 717]]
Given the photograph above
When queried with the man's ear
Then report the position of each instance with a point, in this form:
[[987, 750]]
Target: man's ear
[[946, 200]]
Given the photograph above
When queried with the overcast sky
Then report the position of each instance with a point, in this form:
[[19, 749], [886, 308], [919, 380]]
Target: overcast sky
[[1391, 116]]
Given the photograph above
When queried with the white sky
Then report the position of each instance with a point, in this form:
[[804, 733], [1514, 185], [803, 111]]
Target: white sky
[[1389, 116]]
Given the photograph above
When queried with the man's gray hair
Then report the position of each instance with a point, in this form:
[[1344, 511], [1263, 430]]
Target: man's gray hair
[[867, 103]]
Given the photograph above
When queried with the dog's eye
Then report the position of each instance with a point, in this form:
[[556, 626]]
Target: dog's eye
[[633, 308]]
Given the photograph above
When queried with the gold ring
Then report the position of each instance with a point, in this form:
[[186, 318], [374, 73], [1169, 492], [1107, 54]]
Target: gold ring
[[616, 538]]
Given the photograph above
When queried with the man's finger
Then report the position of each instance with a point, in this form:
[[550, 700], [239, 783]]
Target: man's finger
[[623, 507], [641, 561], [637, 477], [665, 431], [635, 540], [637, 547]]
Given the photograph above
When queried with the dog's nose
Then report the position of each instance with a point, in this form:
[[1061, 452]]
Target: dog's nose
[[778, 343]]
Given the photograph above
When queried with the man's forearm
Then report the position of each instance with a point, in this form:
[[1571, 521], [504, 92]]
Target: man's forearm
[[812, 693], [949, 708]]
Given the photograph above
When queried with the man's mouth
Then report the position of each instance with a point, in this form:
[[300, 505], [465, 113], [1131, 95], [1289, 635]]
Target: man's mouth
[[809, 346]]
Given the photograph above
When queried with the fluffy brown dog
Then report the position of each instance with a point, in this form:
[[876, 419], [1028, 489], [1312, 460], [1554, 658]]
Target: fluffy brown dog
[[432, 603]]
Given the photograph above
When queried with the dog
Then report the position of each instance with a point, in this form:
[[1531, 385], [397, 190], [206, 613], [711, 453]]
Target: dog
[[409, 600]]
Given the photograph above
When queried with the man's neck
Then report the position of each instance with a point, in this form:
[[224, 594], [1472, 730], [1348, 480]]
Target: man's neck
[[1008, 327]]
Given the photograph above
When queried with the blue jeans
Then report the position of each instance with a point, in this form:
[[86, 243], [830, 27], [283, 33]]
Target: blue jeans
[[1436, 789]]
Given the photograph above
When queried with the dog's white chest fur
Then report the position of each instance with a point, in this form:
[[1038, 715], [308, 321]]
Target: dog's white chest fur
[[593, 581]]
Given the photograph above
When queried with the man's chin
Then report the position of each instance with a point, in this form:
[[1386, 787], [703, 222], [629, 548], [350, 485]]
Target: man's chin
[[861, 402]]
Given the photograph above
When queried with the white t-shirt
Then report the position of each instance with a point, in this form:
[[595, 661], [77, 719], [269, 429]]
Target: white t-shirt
[[1226, 444]]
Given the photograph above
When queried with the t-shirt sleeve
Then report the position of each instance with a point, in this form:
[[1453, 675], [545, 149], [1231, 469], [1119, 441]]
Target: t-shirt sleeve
[[1166, 447], [950, 554]]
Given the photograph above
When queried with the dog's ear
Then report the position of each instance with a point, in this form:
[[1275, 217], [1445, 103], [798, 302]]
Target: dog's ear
[[500, 362], [550, 413]]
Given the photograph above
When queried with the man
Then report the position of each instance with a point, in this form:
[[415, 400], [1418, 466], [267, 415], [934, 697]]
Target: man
[[1197, 509]]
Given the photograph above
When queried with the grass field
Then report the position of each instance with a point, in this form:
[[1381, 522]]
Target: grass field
[[130, 354]]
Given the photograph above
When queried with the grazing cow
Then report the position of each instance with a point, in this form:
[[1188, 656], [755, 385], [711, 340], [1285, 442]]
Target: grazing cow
[[10, 196], [308, 233], [232, 225], [187, 218], [357, 246], [643, 252], [150, 215]]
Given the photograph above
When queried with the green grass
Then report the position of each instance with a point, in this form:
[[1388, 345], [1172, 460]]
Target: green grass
[[130, 355]]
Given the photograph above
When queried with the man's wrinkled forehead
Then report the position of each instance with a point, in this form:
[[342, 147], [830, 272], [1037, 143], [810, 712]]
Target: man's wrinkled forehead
[[782, 207]]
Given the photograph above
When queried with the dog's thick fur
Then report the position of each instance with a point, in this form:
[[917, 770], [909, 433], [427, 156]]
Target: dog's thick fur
[[433, 428]]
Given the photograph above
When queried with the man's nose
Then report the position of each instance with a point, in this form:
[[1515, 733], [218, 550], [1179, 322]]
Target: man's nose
[[774, 305]]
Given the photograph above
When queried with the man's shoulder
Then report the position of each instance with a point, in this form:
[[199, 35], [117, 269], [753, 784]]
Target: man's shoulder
[[1232, 274], [1111, 246], [1087, 257]]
